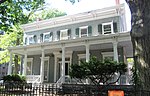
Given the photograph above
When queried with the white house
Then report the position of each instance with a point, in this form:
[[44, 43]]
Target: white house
[[51, 46]]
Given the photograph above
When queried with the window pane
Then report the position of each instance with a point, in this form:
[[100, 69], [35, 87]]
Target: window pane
[[107, 29], [46, 37], [31, 40], [28, 68], [84, 32], [64, 35]]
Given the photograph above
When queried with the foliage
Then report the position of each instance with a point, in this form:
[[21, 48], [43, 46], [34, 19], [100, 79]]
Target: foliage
[[135, 76], [16, 13], [9, 40], [97, 71], [46, 14], [14, 78], [12, 12]]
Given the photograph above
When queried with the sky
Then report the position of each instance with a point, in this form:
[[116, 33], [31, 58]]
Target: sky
[[87, 5]]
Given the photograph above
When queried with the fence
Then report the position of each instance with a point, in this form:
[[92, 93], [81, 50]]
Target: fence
[[15, 89]]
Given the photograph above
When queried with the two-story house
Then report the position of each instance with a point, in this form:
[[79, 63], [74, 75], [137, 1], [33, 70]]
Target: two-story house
[[51, 46]]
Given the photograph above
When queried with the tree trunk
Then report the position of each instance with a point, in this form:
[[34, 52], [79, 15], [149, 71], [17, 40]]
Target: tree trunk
[[140, 36]]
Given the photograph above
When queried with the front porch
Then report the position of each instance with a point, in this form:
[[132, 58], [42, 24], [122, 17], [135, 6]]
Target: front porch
[[50, 61]]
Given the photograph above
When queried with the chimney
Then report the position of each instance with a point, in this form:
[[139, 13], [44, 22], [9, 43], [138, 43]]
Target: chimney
[[117, 2]]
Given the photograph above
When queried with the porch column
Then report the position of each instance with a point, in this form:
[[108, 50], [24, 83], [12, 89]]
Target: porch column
[[25, 64], [55, 68], [63, 63], [116, 58], [10, 65], [42, 67], [87, 55], [115, 51], [87, 52]]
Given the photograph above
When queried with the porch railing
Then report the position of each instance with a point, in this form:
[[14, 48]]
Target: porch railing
[[33, 78]]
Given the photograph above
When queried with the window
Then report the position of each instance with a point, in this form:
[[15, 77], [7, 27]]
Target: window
[[48, 36], [29, 66], [84, 31], [107, 28], [32, 39], [41, 37], [65, 34]]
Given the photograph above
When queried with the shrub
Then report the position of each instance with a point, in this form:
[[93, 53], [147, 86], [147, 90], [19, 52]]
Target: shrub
[[14, 78]]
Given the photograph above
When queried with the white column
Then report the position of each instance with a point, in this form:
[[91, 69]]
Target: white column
[[55, 68], [87, 55], [116, 58], [10, 65], [87, 52], [63, 63], [115, 51], [42, 67], [25, 64]]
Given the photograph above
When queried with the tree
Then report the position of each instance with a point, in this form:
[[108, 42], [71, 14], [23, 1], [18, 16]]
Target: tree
[[15, 14], [46, 14], [12, 12], [12, 15], [98, 71], [140, 36]]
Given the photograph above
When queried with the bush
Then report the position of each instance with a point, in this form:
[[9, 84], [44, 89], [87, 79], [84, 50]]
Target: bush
[[14, 78]]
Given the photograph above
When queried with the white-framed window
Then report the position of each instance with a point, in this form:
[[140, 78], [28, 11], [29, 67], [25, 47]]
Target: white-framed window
[[83, 32], [32, 39], [107, 28], [29, 66], [64, 34], [108, 55], [48, 36]]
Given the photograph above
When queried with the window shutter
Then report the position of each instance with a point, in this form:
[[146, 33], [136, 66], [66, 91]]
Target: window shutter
[[26, 40], [115, 27], [89, 30], [51, 34], [100, 28], [69, 33], [77, 32], [35, 38], [41, 37], [58, 35]]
